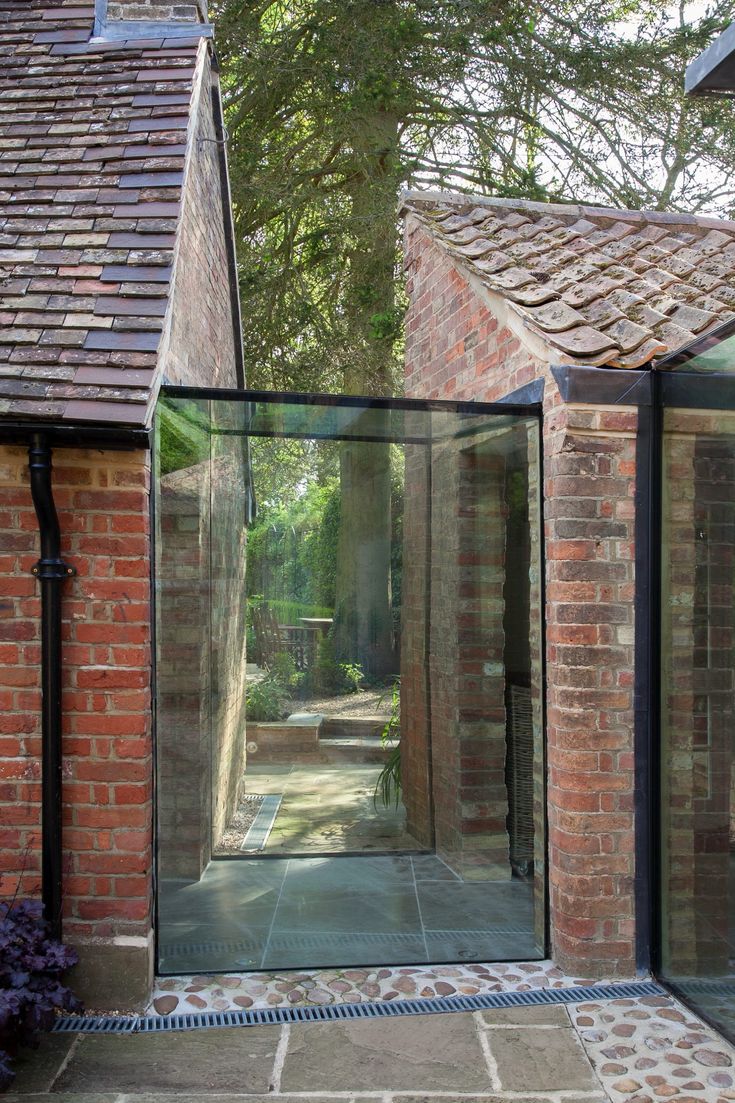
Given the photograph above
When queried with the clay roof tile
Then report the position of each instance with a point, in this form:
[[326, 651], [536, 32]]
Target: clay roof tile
[[92, 142], [597, 286]]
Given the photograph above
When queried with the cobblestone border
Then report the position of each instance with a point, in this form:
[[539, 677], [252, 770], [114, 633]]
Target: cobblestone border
[[652, 1049], [235, 991]]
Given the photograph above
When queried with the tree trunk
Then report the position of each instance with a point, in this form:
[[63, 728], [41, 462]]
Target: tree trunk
[[363, 630]]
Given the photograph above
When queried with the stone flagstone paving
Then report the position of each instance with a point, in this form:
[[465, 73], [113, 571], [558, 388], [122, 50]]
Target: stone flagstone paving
[[644, 1050]]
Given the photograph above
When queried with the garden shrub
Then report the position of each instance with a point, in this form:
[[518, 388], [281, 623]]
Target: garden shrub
[[388, 787], [283, 669], [31, 992], [329, 676], [265, 701]]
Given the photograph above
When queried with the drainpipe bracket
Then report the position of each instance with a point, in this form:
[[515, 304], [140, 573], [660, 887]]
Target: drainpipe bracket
[[52, 569]]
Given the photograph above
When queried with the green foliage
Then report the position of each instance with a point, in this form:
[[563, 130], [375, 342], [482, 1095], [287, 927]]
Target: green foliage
[[265, 701], [386, 325], [183, 435], [283, 669], [388, 786], [351, 677], [392, 729], [292, 547], [329, 676], [334, 105]]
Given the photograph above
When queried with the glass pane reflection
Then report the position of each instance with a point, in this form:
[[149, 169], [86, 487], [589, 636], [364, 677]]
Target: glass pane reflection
[[698, 650]]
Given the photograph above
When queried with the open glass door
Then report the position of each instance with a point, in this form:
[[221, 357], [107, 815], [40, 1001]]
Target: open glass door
[[349, 682]]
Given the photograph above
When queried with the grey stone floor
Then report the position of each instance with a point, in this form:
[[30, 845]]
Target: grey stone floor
[[291, 913], [329, 807], [526, 1055]]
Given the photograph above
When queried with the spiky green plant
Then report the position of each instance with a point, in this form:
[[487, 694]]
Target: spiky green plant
[[388, 787]]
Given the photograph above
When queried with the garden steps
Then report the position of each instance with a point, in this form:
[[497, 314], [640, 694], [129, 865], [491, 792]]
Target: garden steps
[[310, 737], [355, 749], [370, 727]]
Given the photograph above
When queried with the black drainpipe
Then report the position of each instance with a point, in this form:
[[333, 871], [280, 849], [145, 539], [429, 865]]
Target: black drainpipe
[[51, 571]]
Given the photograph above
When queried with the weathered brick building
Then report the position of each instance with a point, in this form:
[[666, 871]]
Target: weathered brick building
[[571, 307], [116, 272]]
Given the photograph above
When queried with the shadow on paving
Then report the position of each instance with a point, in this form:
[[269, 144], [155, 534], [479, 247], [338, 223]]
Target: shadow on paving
[[438, 1058]]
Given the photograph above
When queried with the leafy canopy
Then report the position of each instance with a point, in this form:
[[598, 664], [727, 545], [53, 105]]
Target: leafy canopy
[[334, 105]]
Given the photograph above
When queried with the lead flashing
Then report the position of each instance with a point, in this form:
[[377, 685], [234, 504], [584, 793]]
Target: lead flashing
[[602, 386], [129, 29]]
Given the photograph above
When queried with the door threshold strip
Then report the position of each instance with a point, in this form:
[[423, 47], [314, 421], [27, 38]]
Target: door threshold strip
[[486, 1001]]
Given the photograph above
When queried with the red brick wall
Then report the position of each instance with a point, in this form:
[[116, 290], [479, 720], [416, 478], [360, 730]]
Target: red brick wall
[[102, 499], [200, 665], [589, 508], [457, 348]]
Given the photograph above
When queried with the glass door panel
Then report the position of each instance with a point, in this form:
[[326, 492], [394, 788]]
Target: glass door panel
[[698, 702]]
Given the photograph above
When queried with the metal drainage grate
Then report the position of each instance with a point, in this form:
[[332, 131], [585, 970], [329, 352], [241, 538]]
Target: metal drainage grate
[[96, 1024], [261, 827], [151, 1024]]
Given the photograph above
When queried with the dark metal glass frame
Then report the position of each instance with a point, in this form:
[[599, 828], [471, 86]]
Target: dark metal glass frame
[[530, 409]]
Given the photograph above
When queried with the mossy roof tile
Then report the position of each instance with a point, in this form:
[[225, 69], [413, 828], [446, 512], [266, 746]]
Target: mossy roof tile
[[93, 136], [598, 286]]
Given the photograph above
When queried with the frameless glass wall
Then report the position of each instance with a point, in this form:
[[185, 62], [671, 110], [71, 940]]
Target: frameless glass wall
[[350, 752], [698, 710]]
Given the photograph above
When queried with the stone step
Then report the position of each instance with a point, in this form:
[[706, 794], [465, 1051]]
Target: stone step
[[354, 749], [370, 727]]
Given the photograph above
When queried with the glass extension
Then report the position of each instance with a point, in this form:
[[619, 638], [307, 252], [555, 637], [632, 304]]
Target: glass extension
[[350, 761]]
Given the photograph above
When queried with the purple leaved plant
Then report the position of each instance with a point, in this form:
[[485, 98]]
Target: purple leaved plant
[[31, 992]]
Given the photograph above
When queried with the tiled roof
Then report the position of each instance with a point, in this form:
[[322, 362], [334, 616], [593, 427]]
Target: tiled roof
[[597, 287], [93, 138]]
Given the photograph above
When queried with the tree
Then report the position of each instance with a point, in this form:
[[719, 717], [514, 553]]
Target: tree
[[333, 105]]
